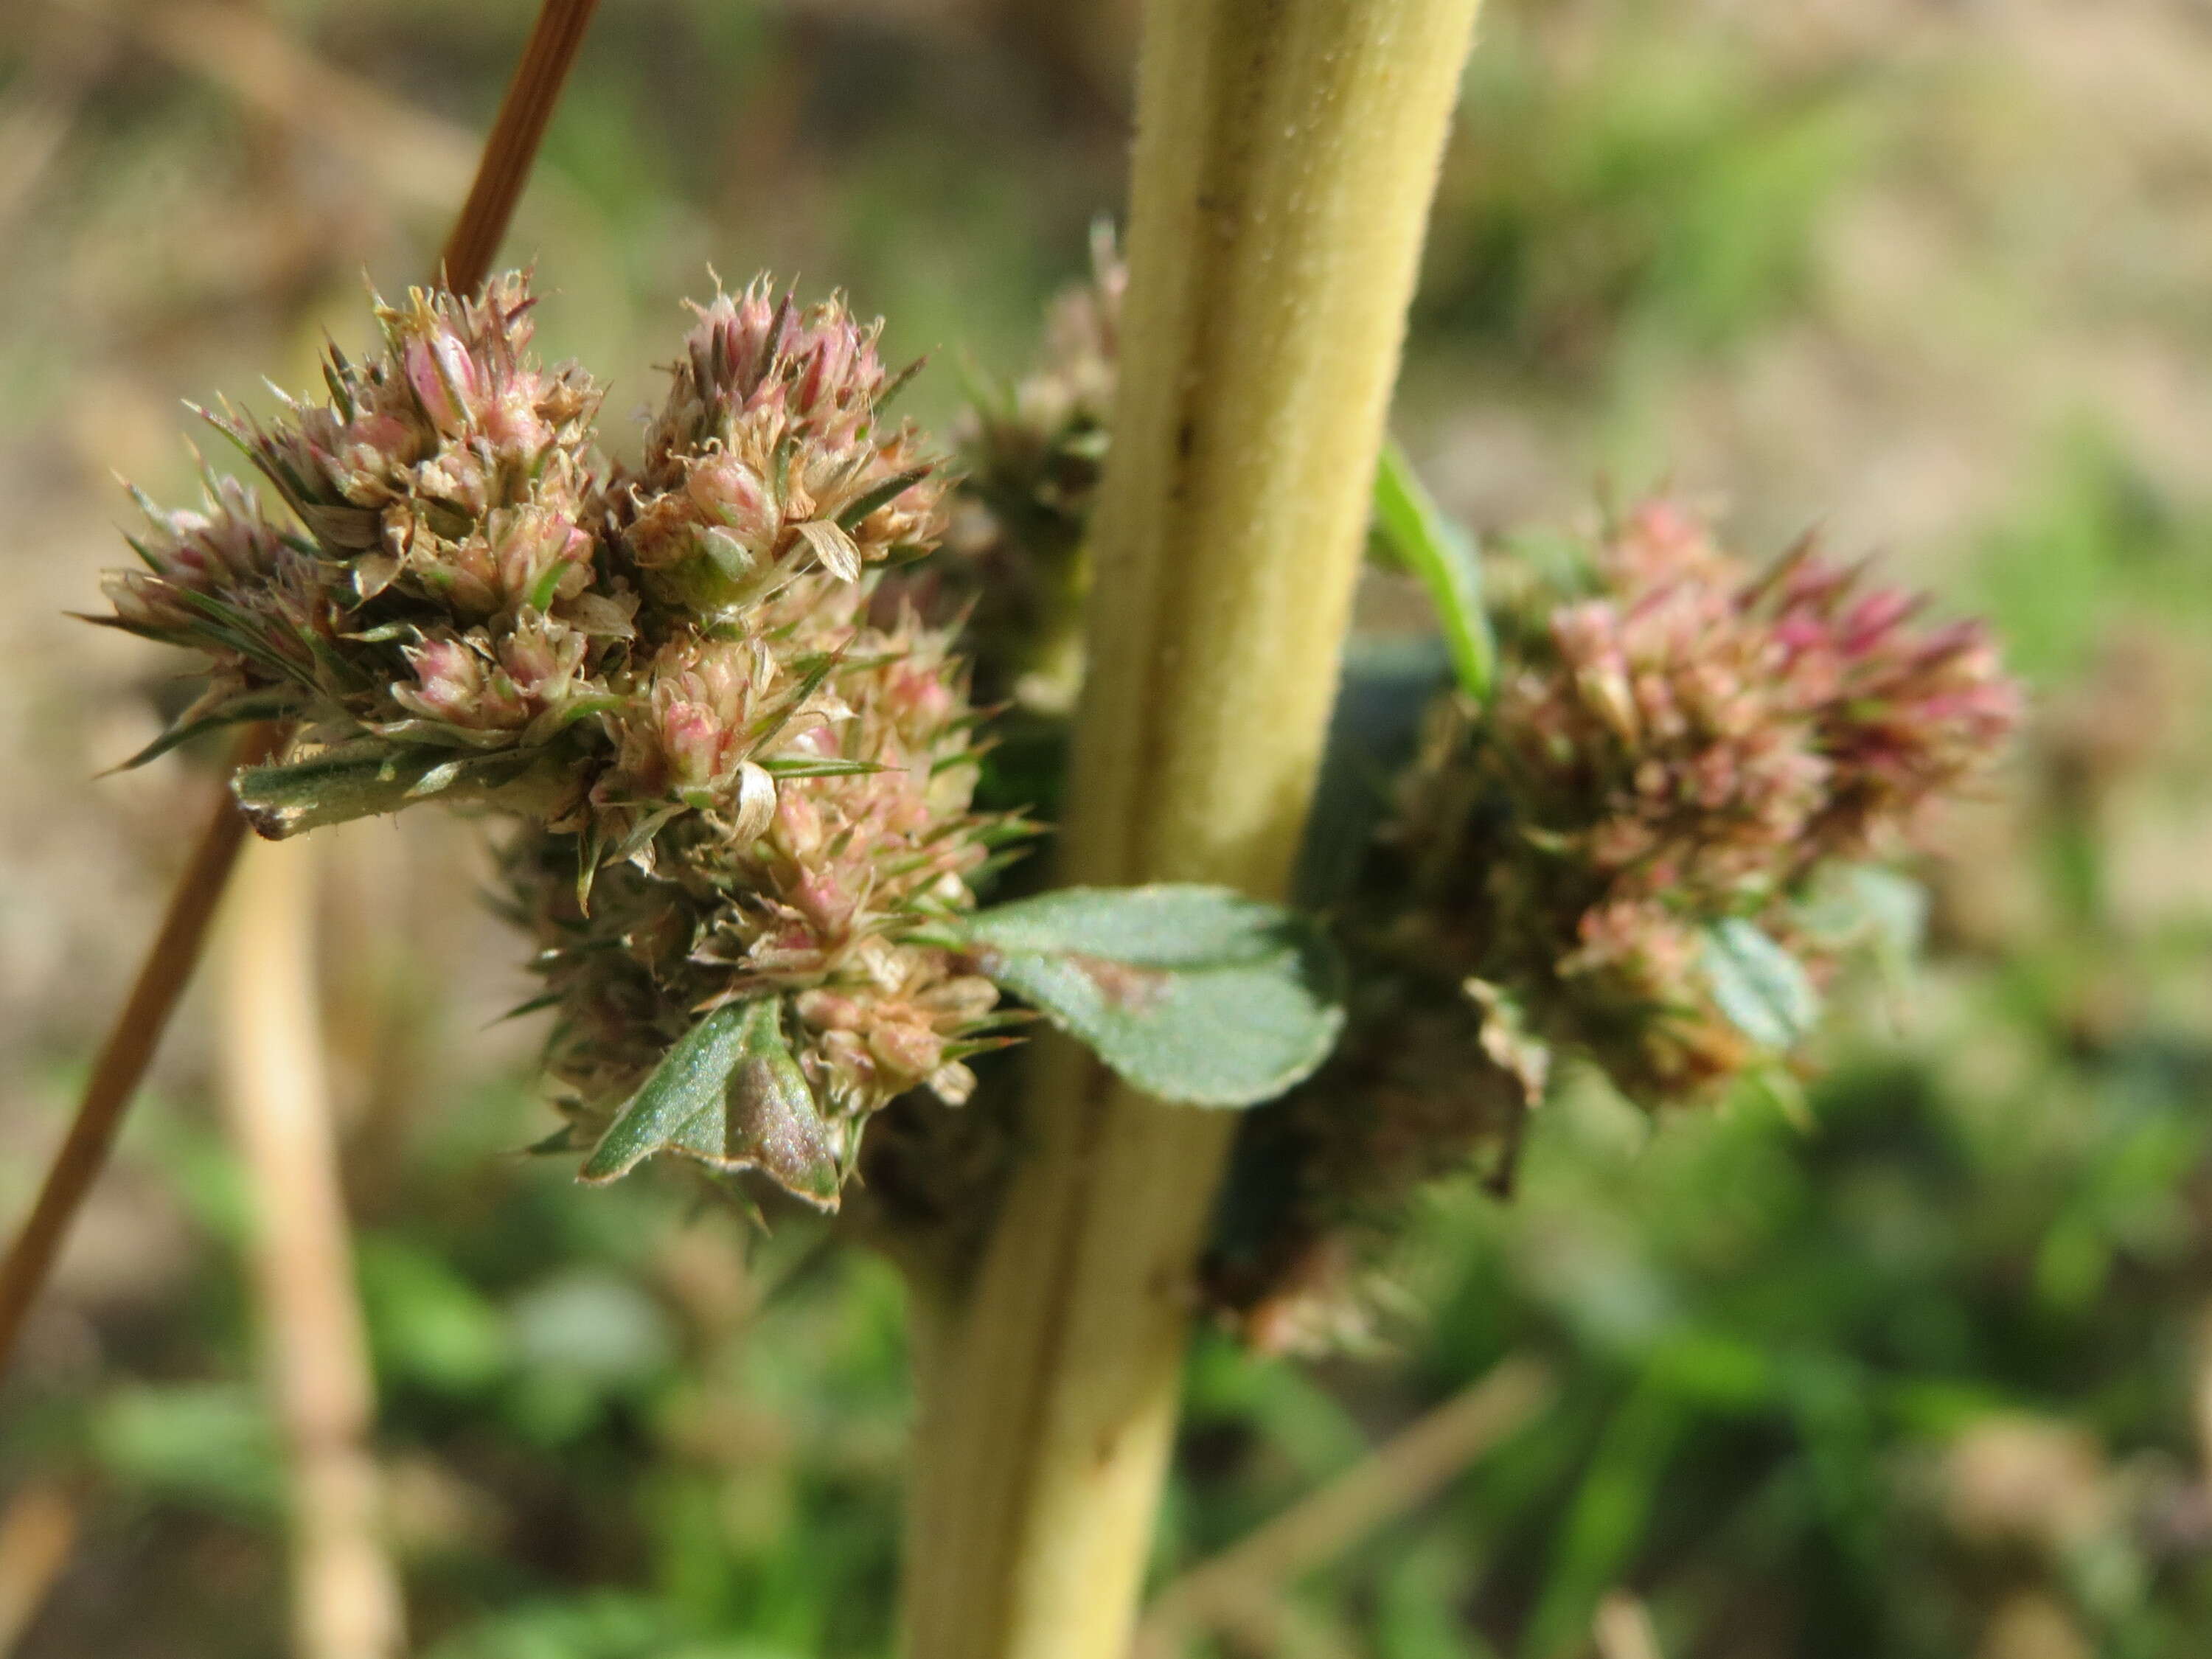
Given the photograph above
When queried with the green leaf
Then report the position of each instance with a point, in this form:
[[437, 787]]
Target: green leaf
[[1415, 529], [1194, 995], [730, 1095], [1383, 691], [352, 780], [1759, 986]]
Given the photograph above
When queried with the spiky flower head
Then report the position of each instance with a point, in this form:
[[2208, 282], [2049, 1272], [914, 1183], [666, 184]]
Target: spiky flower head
[[208, 569], [1034, 452], [437, 586], [1618, 859], [795, 808], [1694, 743], [770, 459], [450, 465], [743, 776]]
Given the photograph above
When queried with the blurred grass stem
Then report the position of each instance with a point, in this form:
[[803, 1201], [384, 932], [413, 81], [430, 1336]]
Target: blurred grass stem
[[38, 1532], [1285, 158], [168, 968], [345, 1594], [122, 1062], [1409, 1469], [40, 108], [1622, 1629]]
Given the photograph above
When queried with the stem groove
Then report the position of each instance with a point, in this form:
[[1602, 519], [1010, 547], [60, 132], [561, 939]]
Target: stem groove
[[1286, 152]]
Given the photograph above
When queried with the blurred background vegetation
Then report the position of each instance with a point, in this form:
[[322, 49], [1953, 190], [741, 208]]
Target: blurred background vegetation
[[1920, 1366]]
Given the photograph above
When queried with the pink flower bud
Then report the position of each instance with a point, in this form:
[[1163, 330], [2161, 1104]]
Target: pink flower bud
[[691, 740], [797, 825], [444, 379], [910, 1048], [826, 1011], [824, 365], [512, 421], [732, 497], [449, 681]]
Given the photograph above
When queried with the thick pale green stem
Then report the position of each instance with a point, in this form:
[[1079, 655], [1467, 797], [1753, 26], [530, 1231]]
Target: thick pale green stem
[[1286, 153]]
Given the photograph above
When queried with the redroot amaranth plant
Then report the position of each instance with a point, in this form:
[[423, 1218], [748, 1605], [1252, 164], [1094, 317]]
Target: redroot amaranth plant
[[1641, 829], [1632, 821], [744, 763], [743, 766]]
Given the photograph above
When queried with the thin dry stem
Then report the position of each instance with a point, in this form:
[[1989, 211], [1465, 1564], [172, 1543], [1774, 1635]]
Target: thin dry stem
[[122, 1062], [176, 949], [37, 1530], [346, 1598], [515, 134]]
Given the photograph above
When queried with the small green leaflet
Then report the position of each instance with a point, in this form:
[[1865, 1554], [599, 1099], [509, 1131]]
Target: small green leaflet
[[1383, 691], [1194, 994], [1865, 907], [730, 1095], [1416, 530], [1759, 986]]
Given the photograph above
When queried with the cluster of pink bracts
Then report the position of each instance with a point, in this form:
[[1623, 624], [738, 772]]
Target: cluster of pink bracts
[[1694, 742], [1682, 758], [741, 771]]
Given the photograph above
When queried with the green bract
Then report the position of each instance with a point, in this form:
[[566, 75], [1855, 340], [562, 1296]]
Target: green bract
[[1443, 554], [730, 1095]]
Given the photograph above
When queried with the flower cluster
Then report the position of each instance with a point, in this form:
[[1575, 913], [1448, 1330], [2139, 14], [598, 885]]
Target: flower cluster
[[794, 867], [768, 462], [1692, 744], [743, 770], [1034, 453], [1631, 840], [438, 587]]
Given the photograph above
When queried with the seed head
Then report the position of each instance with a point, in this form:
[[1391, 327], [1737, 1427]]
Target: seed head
[[762, 767], [1692, 742]]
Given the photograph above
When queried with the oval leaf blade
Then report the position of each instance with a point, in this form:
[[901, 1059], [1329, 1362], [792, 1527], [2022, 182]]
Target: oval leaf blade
[[1194, 994], [1759, 986]]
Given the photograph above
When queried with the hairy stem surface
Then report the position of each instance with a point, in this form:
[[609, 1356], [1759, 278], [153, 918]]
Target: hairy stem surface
[[1287, 153]]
